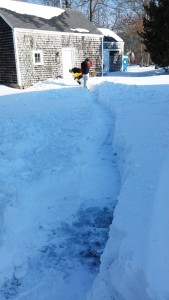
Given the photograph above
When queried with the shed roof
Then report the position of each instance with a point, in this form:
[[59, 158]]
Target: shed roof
[[32, 16], [109, 33]]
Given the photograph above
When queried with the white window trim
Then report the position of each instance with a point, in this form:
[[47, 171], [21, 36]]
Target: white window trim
[[41, 57]]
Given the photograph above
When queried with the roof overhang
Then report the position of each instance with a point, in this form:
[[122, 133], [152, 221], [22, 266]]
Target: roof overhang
[[109, 33], [57, 32], [9, 24]]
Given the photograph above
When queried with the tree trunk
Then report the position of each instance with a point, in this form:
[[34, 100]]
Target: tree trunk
[[142, 59], [90, 11]]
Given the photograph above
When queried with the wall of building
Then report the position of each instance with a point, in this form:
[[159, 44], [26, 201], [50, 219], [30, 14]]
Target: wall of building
[[51, 46], [7, 55], [112, 56]]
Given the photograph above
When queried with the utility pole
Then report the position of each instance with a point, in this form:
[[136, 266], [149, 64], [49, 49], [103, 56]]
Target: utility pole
[[61, 3]]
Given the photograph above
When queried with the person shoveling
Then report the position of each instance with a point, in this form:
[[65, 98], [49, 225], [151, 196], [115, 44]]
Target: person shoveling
[[77, 74]]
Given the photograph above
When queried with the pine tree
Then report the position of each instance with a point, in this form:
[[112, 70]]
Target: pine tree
[[156, 31]]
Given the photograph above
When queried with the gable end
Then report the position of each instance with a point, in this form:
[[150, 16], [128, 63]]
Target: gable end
[[7, 54]]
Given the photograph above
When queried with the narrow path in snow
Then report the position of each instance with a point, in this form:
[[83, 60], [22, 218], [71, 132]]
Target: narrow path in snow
[[59, 195]]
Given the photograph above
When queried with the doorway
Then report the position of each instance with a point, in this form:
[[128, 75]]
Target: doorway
[[115, 61], [67, 61]]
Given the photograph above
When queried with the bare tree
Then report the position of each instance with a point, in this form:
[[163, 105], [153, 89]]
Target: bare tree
[[128, 24], [29, 1], [100, 12], [58, 3]]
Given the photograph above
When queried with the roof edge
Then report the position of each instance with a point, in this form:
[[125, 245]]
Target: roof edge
[[2, 16], [110, 33], [57, 32]]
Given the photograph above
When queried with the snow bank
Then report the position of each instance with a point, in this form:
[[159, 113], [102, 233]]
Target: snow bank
[[59, 186], [135, 263]]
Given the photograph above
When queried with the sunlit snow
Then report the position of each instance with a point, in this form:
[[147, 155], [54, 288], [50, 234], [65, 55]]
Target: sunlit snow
[[84, 178], [46, 12], [107, 32], [79, 29]]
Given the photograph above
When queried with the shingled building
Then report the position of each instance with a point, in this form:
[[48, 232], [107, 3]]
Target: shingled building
[[39, 42]]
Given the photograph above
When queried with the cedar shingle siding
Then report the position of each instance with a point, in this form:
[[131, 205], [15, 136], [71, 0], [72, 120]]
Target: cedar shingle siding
[[51, 46], [26, 34], [7, 55]]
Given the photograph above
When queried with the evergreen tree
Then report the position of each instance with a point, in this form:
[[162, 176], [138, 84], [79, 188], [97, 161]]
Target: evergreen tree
[[156, 31]]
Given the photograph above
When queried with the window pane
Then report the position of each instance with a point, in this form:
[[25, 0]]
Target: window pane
[[37, 58]]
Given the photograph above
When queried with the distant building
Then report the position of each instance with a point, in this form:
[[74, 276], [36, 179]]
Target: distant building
[[113, 50], [39, 42]]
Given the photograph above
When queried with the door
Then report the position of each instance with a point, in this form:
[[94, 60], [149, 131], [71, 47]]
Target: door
[[67, 61]]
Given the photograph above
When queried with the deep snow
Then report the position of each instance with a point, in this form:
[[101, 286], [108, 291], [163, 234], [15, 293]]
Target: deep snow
[[46, 12], [72, 162]]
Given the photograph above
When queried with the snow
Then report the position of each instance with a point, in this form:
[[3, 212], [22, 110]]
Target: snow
[[108, 32], [79, 29], [83, 179], [46, 12]]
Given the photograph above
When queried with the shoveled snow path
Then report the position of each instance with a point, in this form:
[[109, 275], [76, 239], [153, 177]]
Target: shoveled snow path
[[53, 235]]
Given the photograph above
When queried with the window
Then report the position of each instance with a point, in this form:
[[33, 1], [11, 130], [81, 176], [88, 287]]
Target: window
[[37, 57]]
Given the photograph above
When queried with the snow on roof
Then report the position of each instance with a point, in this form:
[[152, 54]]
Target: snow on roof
[[42, 11], [79, 29], [108, 32]]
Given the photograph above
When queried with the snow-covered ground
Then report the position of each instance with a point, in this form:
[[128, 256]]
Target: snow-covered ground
[[84, 177]]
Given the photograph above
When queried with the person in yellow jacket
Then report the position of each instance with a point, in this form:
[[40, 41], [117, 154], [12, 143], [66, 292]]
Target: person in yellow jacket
[[77, 74]]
